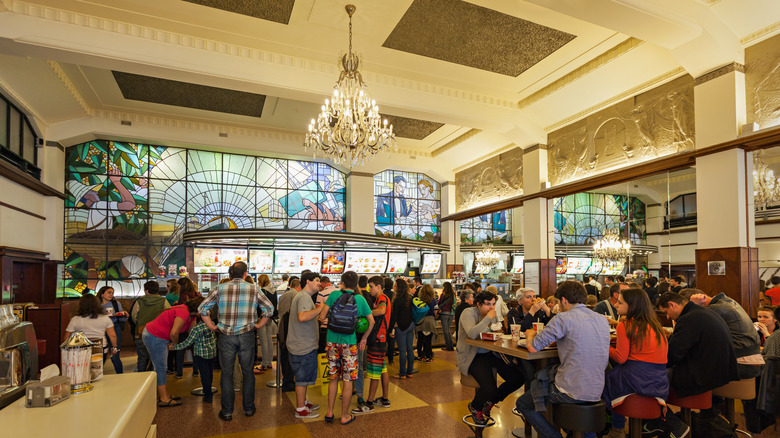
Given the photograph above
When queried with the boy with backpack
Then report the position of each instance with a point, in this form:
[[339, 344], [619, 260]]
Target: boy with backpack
[[343, 308], [376, 367]]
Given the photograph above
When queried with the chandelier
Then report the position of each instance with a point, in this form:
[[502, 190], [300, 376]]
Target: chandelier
[[486, 258], [610, 249], [349, 129], [766, 188]]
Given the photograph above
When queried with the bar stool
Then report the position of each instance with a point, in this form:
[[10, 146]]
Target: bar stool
[[744, 389], [637, 408], [580, 417], [476, 428], [700, 401]]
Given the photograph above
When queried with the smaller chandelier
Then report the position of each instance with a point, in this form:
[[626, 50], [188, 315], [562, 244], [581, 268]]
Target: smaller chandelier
[[349, 128], [766, 188], [486, 258], [611, 250]]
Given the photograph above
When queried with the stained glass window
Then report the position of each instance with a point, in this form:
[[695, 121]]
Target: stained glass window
[[128, 205], [582, 218], [407, 206], [493, 227]]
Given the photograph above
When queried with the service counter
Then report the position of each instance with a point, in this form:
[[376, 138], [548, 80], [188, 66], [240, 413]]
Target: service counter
[[119, 406]]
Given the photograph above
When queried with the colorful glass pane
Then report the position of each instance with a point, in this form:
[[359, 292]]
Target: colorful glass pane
[[407, 205]]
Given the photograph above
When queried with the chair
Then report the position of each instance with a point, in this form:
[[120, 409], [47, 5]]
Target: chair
[[637, 408], [580, 417], [476, 428], [744, 389], [700, 401]]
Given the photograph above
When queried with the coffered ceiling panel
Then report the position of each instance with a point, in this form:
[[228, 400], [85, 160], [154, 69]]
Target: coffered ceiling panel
[[277, 10], [411, 128]]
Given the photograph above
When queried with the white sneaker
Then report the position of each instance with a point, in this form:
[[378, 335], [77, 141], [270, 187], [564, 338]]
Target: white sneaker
[[306, 413], [312, 406]]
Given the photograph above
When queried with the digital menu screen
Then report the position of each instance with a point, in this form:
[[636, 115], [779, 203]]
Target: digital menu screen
[[396, 262], [595, 267], [560, 265], [613, 268], [517, 264], [481, 269], [366, 262], [293, 262], [261, 261], [216, 260], [430, 263], [577, 265], [333, 262]]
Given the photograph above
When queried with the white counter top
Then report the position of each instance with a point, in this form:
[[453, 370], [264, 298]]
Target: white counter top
[[120, 405]]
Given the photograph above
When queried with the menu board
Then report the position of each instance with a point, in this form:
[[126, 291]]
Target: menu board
[[481, 269], [577, 265], [517, 264], [613, 268], [595, 267], [366, 262], [430, 263], [396, 262], [333, 262], [293, 262], [261, 261], [216, 260], [560, 265]]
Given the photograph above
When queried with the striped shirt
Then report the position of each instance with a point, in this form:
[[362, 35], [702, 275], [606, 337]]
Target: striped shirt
[[238, 302], [203, 341]]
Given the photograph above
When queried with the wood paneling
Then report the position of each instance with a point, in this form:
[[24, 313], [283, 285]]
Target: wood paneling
[[547, 280], [741, 279]]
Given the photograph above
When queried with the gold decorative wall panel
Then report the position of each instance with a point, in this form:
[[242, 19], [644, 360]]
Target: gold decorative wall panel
[[762, 82], [652, 124], [496, 178]]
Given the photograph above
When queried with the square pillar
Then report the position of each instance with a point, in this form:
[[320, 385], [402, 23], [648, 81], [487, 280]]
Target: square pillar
[[360, 203]]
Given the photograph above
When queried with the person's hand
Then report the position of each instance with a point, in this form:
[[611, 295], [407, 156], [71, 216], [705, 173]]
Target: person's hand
[[170, 347], [699, 299], [362, 344], [491, 314], [530, 333], [536, 306], [761, 327], [114, 175]]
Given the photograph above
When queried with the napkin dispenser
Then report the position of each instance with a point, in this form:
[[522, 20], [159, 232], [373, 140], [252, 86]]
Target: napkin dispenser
[[18, 360], [47, 393]]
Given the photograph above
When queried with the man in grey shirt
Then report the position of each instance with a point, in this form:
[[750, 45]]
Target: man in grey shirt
[[285, 302], [583, 347], [302, 341]]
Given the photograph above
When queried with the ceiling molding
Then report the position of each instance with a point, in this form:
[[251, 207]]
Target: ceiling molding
[[590, 66], [760, 34], [455, 142], [658, 80], [718, 72], [537, 146], [69, 86], [158, 36], [9, 92]]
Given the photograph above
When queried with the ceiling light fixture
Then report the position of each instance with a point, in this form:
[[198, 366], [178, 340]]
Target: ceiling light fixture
[[486, 258], [349, 129], [766, 187], [611, 250]]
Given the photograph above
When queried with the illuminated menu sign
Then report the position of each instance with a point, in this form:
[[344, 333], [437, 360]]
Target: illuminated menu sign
[[577, 265], [333, 262], [560, 265], [293, 262], [481, 269], [216, 260], [396, 262], [261, 261], [431, 263], [613, 268], [517, 264], [595, 267], [366, 262]]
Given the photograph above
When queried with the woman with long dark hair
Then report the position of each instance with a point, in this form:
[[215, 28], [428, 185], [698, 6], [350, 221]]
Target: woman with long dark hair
[[91, 320], [118, 317], [640, 353], [446, 304], [426, 327], [401, 320]]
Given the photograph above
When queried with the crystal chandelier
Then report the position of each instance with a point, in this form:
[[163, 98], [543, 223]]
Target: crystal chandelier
[[486, 258], [766, 188], [349, 128], [610, 249]]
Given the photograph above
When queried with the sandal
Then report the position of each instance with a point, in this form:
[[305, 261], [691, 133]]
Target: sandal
[[174, 397], [169, 404], [329, 419], [350, 420], [258, 369], [398, 376]]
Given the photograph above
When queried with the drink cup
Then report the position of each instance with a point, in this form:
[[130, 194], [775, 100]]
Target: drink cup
[[515, 328], [538, 326]]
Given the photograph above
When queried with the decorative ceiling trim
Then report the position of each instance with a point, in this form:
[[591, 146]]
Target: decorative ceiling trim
[[671, 74], [363, 174], [537, 146], [760, 34], [69, 86], [718, 72], [601, 60], [448, 183], [264, 57], [8, 91], [451, 144]]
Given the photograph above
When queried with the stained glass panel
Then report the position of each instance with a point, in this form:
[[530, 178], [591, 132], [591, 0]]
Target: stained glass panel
[[595, 213], [493, 227], [407, 205], [203, 166]]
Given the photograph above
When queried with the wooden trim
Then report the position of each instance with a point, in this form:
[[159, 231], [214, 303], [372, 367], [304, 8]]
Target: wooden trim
[[760, 140], [13, 207], [13, 174], [678, 244], [10, 251], [673, 231]]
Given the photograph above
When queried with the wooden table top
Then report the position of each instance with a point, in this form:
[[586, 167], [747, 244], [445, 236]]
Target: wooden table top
[[513, 350]]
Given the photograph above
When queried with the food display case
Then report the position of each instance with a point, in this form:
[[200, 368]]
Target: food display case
[[333, 262], [396, 262], [261, 261], [217, 260], [296, 261], [366, 262], [431, 263]]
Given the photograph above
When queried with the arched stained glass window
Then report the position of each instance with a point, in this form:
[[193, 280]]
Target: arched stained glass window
[[493, 227], [582, 218], [407, 205]]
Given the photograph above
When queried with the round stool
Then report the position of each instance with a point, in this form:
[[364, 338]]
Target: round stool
[[637, 408], [580, 417], [699, 401], [471, 382], [744, 389]]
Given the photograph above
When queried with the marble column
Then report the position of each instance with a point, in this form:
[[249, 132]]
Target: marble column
[[538, 231]]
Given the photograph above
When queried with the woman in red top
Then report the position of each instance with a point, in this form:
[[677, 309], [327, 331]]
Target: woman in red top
[[640, 355]]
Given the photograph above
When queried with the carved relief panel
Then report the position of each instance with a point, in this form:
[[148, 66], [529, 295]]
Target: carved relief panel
[[496, 178], [652, 124], [762, 82]]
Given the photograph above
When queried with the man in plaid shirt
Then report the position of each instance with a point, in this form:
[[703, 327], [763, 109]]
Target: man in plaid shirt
[[204, 351], [238, 302]]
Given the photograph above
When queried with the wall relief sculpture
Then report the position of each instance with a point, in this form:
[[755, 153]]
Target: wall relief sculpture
[[652, 124], [496, 178], [762, 82]]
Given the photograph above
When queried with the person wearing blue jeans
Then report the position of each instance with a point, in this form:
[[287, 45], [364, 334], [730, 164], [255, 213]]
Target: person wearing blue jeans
[[228, 347], [405, 339], [142, 364], [525, 404], [402, 322]]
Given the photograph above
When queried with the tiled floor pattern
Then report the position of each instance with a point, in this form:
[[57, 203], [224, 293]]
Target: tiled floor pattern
[[431, 404]]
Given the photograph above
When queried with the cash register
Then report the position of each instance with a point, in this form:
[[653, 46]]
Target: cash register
[[18, 356]]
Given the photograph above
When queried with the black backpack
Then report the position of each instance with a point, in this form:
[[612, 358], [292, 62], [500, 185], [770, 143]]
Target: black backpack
[[711, 427], [342, 316]]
